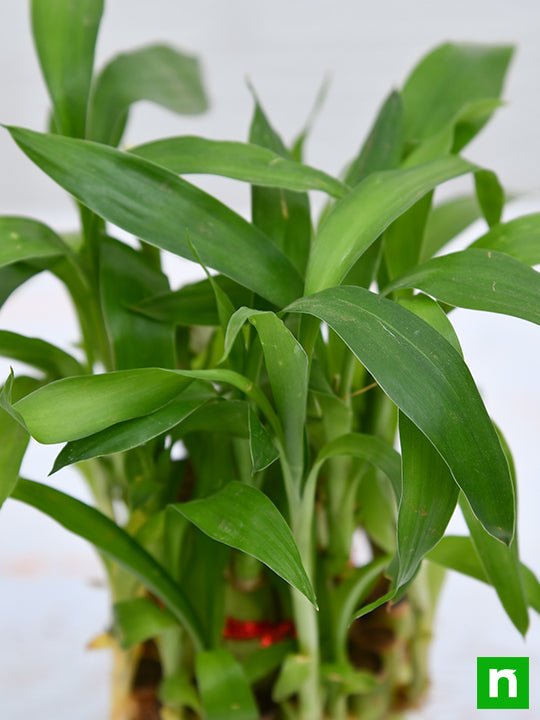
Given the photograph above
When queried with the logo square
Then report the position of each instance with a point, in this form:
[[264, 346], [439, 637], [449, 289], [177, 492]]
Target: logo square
[[502, 683]]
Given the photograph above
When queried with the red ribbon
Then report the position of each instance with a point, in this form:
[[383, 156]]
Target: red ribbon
[[267, 633]]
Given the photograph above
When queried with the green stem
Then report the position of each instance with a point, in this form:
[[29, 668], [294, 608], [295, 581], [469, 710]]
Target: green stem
[[305, 615]]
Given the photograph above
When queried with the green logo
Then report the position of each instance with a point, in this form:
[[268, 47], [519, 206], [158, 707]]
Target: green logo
[[502, 683]]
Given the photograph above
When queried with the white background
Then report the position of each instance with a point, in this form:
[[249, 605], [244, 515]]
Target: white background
[[50, 598]]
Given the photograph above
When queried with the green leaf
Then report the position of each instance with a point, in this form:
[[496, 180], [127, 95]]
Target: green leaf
[[158, 74], [480, 280], [384, 144], [33, 351], [76, 407], [193, 304], [519, 238], [490, 194], [283, 215], [242, 517], [430, 311], [241, 161], [403, 239], [429, 493], [287, 366], [427, 379], [113, 542], [370, 448], [22, 239], [132, 433], [139, 620], [447, 220], [14, 438], [428, 500], [164, 210], [459, 554], [357, 220], [65, 36], [261, 447], [467, 73], [126, 279], [12, 450], [502, 567], [224, 688]]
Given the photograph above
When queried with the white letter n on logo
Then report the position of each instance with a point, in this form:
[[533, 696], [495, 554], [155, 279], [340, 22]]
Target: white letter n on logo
[[494, 678]]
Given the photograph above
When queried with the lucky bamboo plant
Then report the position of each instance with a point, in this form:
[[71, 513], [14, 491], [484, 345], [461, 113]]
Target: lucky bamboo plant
[[238, 432]]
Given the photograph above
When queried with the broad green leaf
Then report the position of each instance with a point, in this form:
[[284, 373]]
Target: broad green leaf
[[519, 238], [428, 500], [242, 517], [22, 239], [193, 304], [281, 214], [126, 279], [447, 220], [357, 220], [466, 72], [113, 542], [384, 144], [76, 407], [14, 438], [261, 446], [287, 367], [132, 433], [427, 379], [480, 280], [224, 688], [38, 353], [241, 161], [490, 194], [164, 210], [139, 620], [455, 134], [430, 311], [459, 554], [12, 450], [370, 448], [429, 494], [158, 74], [502, 567], [403, 239], [65, 34]]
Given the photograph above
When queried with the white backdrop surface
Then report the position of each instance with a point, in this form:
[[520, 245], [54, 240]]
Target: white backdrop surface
[[51, 598]]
